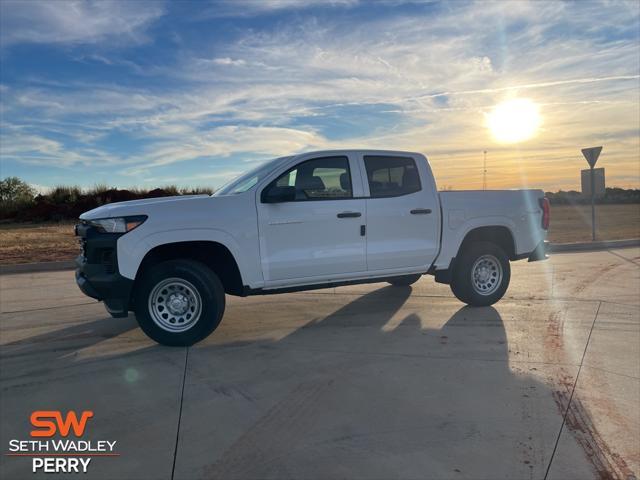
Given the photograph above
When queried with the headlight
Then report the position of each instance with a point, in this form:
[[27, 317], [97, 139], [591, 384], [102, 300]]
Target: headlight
[[118, 224]]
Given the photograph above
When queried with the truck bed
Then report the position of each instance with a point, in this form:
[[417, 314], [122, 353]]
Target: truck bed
[[518, 210]]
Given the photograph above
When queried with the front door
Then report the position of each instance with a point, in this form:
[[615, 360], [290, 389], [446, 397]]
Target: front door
[[316, 233]]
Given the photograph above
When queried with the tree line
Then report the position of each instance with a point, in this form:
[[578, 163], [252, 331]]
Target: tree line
[[20, 202]]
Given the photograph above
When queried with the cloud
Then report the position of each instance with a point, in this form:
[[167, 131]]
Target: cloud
[[38, 150], [407, 81], [74, 21], [249, 8], [21, 144], [215, 180], [260, 142], [228, 61]]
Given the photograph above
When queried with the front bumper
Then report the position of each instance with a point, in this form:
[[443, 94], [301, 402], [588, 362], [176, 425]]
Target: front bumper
[[97, 273]]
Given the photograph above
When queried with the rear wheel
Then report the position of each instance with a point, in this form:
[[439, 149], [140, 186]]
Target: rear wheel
[[179, 302], [481, 274], [405, 280]]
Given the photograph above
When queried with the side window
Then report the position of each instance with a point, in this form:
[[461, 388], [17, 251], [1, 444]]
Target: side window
[[391, 176], [327, 178], [287, 180]]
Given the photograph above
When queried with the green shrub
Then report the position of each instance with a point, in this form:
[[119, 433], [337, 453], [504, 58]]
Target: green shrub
[[12, 189], [15, 196], [98, 189], [62, 194]]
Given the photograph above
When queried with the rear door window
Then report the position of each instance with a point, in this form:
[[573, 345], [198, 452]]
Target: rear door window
[[391, 176]]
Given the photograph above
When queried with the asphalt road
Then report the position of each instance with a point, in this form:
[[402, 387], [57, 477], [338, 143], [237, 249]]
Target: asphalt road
[[371, 382]]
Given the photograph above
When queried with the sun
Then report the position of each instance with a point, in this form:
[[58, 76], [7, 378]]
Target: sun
[[514, 120]]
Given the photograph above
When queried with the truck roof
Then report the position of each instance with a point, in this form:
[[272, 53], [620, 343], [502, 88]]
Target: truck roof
[[368, 151]]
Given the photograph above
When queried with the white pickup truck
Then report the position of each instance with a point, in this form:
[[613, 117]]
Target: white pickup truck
[[314, 220]]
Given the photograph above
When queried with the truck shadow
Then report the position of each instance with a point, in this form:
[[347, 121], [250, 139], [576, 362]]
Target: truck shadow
[[372, 392], [57, 349]]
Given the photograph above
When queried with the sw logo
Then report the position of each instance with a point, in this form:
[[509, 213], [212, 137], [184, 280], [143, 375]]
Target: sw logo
[[43, 419]]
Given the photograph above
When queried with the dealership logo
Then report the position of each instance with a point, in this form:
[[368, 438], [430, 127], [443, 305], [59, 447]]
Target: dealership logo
[[67, 454]]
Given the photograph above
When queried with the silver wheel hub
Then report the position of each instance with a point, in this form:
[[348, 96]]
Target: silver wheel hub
[[175, 305], [486, 275], [178, 304]]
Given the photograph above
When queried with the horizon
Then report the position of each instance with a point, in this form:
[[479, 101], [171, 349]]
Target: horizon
[[144, 94], [183, 188]]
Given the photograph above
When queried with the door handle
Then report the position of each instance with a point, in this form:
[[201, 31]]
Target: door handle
[[349, 215], [421, 211]]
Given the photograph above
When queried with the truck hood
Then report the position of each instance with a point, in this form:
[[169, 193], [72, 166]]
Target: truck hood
[[139, 207]]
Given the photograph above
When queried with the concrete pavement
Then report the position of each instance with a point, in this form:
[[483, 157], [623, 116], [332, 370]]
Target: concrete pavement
[[367, 381]]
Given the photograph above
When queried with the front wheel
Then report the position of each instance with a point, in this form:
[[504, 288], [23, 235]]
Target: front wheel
[[179, 302], [481, 274]]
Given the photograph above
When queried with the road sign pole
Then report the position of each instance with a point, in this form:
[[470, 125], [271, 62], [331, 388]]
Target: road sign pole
[[593, 206], [591, 155]]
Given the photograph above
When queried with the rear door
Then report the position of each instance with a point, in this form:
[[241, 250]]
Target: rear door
[[403, 214], [317, 235]]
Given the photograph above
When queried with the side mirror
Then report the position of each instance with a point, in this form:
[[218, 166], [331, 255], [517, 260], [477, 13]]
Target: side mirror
[[275, 194]]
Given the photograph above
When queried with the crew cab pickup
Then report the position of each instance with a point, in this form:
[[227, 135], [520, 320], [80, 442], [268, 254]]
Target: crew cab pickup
[[313, 220]]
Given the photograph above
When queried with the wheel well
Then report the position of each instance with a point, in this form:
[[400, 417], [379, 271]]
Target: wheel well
[[501, 236], [213, 254]]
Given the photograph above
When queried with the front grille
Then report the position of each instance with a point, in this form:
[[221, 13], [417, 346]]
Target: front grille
[[107, 258], [97, 248], [83, 248]]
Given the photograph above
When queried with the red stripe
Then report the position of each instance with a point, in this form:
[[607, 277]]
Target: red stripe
[[62, 454]]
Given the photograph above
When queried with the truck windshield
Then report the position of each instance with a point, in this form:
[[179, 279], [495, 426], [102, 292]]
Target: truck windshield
[[249, 179]]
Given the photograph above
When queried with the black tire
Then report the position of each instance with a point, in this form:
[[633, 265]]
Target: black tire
[[463, 285], [209, 296], [405, 280]]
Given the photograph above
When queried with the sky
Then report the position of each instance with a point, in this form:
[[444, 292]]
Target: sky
[[147, 94]]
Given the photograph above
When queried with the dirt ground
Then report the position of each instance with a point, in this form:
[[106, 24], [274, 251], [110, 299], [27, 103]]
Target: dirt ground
[[25, 243]]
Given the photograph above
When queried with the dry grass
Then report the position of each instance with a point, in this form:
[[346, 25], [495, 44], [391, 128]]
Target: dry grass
[[613, 222], [25, 243]]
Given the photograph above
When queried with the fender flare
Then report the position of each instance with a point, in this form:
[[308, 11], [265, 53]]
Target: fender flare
[[130, 255], [467, 227]]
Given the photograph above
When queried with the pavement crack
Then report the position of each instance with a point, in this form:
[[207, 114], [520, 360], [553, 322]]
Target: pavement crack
[[184, 380], [49, 308], [624, 258], [573, 389]]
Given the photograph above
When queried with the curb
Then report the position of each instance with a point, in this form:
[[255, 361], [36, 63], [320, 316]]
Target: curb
[[553, 248], [38, 267], [592, 246]]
